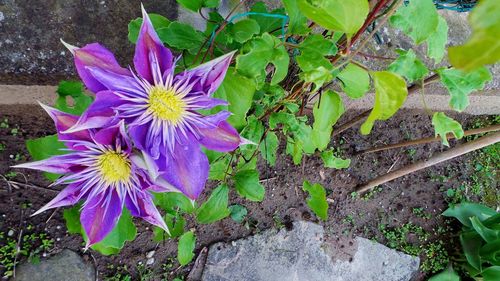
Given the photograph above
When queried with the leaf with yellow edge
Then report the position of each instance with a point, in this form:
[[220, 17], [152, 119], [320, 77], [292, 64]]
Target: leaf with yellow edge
[[390, 94]]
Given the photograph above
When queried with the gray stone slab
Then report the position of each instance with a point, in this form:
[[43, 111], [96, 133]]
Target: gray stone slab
[[65, 266], [299, 255], [30, 51]]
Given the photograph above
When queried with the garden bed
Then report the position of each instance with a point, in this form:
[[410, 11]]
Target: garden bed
[[402, 214]]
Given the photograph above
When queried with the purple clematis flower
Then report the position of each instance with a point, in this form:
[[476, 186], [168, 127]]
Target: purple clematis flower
[[102, 170], [160, 108]]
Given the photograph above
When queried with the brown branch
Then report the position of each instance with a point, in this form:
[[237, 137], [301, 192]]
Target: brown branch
[[436, 159], [449, 136]]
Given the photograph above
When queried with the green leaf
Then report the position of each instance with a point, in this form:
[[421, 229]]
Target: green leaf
[[318, 76], [448, 274], [266, 23], [219, 168], [471, 244], [488, 235], [327, 110], [436, 43], [269, 147], [419, 19], [238, 91], [483, 47], [491, 273], [313, 51], [43, 148], [124, 230], [215, 208], [184, 37], [72, 218], [160, 24], [444, 125], [258, 53], [355, 81], [460, 84], [248, 186], [73, 90], [297, 23], [186, 247], [238, 212], [244, 29], [171, 201], [408, 66], [332, 161], [175, 225], [193, 5], [294, 149], [346, 16], [252, 132], [317, 199], [491, 252], [464, 211], [390, 94]]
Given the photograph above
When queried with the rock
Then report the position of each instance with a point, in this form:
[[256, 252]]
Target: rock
[[150, 254], [30, 50], [150, 261], [65, 266], [299, 255]]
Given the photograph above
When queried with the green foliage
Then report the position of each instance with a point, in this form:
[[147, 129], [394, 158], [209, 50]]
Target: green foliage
[[248, 186], [185, 248], [244, 29], [355, 81], [267, 24], [258, 53], [160, 24], [436, 43], [390, 94], [317, 199], [28, 245], [183, 37], [419, 19], [196, 5], [483, 47], [124, 230], [331, 161], [327, 110], [173, 201], [346, 16], [74, 90], [238, 212], [409, 66], [269, 147], [297, 23], [175, 224], [480, 239], [444, 125], [43, 148], [238, 91], [448, 274], [215, 208], [460, 84]]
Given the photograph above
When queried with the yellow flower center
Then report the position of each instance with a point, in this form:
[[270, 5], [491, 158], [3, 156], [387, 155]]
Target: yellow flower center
[[114, 167], [166, 105]]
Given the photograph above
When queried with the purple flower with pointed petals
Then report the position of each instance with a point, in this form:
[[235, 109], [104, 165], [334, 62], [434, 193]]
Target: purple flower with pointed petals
[[160, 108], [102, 170]]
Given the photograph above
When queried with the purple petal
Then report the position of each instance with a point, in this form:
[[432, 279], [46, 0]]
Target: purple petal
[[68, 196], [141, 205], [223, 138], [116, 81], [205, 102], [210, 74], [187, 169], [63, 122], [99, 114], [100, 215], [60, 164], [138, 134], [150, 54], [147, 164], [96, 56]]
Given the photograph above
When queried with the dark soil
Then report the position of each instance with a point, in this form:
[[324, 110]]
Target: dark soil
[[349, 215]]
